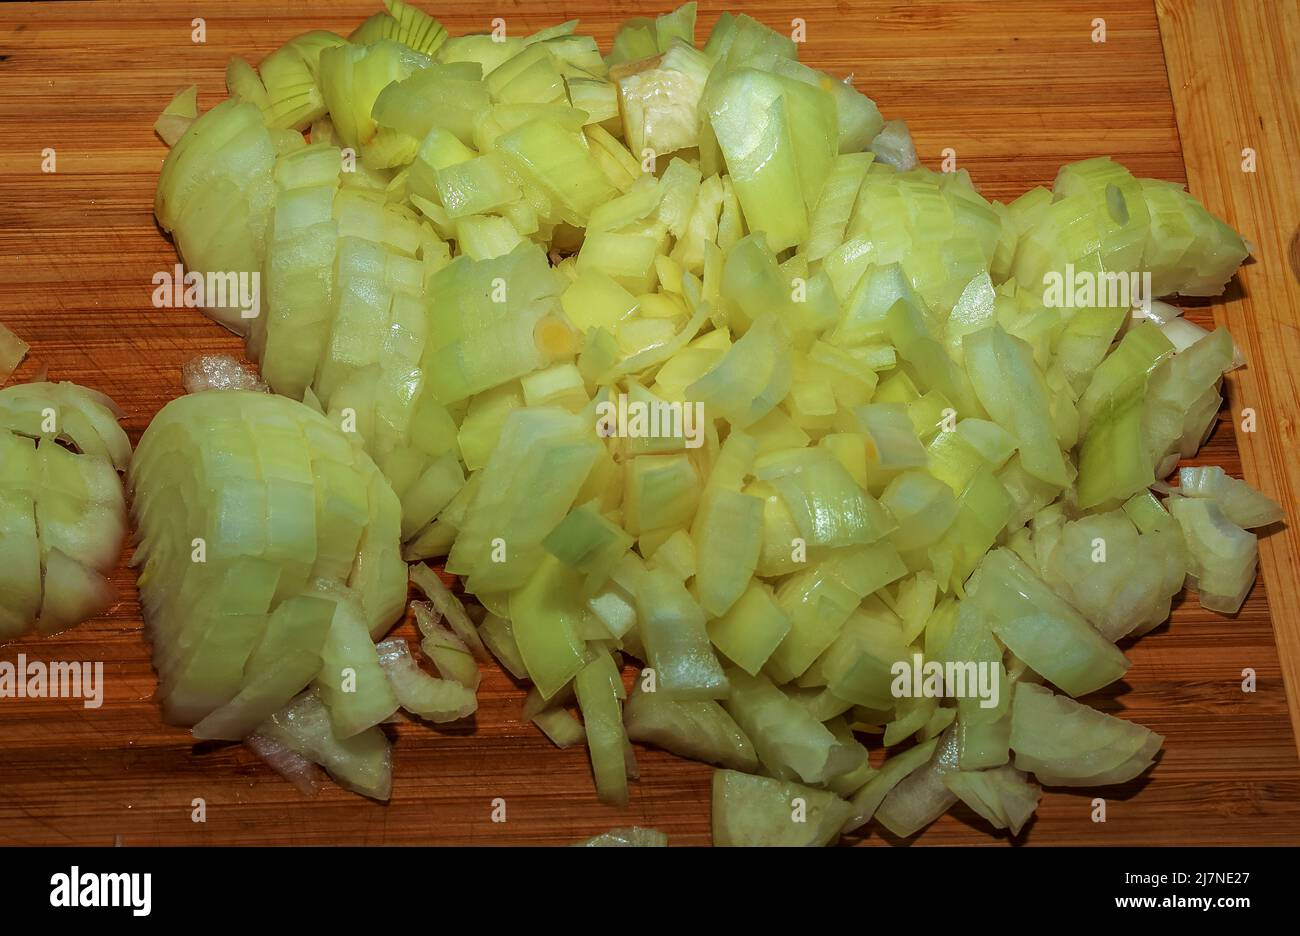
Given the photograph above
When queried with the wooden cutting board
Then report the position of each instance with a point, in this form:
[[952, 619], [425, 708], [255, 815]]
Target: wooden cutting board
[[1014, 89]]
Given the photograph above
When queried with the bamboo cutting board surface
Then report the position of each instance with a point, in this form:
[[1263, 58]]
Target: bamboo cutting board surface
[[1015, 89]]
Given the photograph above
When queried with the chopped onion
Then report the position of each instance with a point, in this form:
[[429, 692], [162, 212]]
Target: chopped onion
[[1240, 503], [444, 647], [179, 114], [449, 607], [700, 730], [12, 351], [1162, 313], [893, 145], [871, 431], [62, 507], [288, 763], [753, 810], [1223, 555], [1066, 743], [922, 796], [1003, 795], [1183, 334], [362, 763], [561, 727], [437, 700], [294, 527]]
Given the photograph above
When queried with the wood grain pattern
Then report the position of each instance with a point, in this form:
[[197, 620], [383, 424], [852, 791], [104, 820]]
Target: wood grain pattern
[[1015, 88], [1234, 94]]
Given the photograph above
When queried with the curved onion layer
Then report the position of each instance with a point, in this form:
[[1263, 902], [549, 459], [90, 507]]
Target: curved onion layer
[[678, 354], [62, 510], [438, 700]]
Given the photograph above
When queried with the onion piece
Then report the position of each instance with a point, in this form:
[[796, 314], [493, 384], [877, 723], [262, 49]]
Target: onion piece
[[177, 116], [437, 700], [1038, 626], [444, 648], [1066, 743], [498, 635], [1005, 796], [285, 659], [789, 742], [922, 796], [306, 776], [1133, 588], [449, 607], [700, 729], [552, 718], [561, 727], [1181, 333], [12, 351], [893, 145], [1240, 503], [535, 702], [868, 799], [361, 763], [1162, 313], [1223, 555], [350, 678], [750, 810], [72, 593], [62, 510], [599, 688], [83, 418]]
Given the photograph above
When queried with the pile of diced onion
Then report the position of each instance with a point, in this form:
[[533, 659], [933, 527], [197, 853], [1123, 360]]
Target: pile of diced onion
[[677, 359]]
